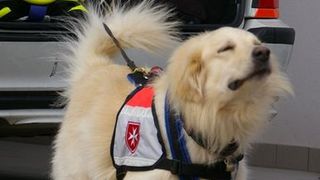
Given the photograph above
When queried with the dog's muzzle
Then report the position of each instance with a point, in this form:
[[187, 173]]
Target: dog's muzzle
[[261, 59], [261, 67]]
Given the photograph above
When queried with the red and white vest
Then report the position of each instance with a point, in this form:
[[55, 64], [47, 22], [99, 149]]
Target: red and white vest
[[136, 139], [137, 144]]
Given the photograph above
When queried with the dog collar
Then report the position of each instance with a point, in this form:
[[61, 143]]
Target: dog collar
[[226, 154], [228, 150], [221, 169]]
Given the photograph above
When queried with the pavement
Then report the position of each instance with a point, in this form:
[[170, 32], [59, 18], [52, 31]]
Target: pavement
[[259, 173], [28, 159]]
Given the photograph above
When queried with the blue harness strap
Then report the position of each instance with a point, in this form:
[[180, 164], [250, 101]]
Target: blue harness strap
[[176, 139], [37, 13]]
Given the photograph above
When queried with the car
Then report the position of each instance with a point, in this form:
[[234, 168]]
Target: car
[[32, 74]]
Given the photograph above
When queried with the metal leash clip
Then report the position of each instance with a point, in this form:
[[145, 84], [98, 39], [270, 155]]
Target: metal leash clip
[[143, 71], [230, 164]]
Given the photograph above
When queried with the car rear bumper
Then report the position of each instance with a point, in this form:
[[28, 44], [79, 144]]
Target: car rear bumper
[[274, 35], [32, 122]]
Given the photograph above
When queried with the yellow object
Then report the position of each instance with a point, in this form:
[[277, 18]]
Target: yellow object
[[73, 0], [79, 7], [40, 2], [4, 11]]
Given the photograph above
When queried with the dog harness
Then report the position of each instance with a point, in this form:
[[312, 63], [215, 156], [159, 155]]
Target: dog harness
[[138, 145]]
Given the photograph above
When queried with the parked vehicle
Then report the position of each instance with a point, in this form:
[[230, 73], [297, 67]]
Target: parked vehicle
[[32, 72]]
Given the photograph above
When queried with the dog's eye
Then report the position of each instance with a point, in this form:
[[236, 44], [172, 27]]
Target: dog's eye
[[228, 47]]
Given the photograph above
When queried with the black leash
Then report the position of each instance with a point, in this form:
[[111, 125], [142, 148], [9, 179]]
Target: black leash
[[129, 62]]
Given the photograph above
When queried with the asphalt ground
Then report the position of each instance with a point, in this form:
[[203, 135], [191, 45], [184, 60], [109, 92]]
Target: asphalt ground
[[29, 159]]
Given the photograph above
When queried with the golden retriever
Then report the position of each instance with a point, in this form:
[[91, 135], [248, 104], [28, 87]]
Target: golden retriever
[[222, 82]]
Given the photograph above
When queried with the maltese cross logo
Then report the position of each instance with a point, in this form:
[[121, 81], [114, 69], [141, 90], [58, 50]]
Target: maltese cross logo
[[132, 136]]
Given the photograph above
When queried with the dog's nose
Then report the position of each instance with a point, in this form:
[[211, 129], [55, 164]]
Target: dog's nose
[[261, 54]]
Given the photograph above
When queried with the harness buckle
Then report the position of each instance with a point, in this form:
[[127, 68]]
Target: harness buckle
[[230, 165], [142, 70], [232, 162]]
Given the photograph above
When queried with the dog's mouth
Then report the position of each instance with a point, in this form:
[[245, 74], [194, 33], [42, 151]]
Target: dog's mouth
[[256, 74]]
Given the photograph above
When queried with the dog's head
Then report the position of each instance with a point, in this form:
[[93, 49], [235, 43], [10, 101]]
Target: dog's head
[[226, 65]]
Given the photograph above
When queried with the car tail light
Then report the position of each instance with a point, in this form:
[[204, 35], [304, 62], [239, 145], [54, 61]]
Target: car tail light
[[267, 9]]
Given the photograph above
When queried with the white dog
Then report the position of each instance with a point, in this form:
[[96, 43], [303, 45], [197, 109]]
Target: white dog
[[221, 83]]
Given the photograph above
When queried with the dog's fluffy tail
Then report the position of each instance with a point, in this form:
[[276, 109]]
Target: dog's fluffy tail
[[143, 26]]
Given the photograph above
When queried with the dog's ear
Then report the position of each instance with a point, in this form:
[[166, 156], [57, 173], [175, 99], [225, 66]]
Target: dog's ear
[[191, 81]]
